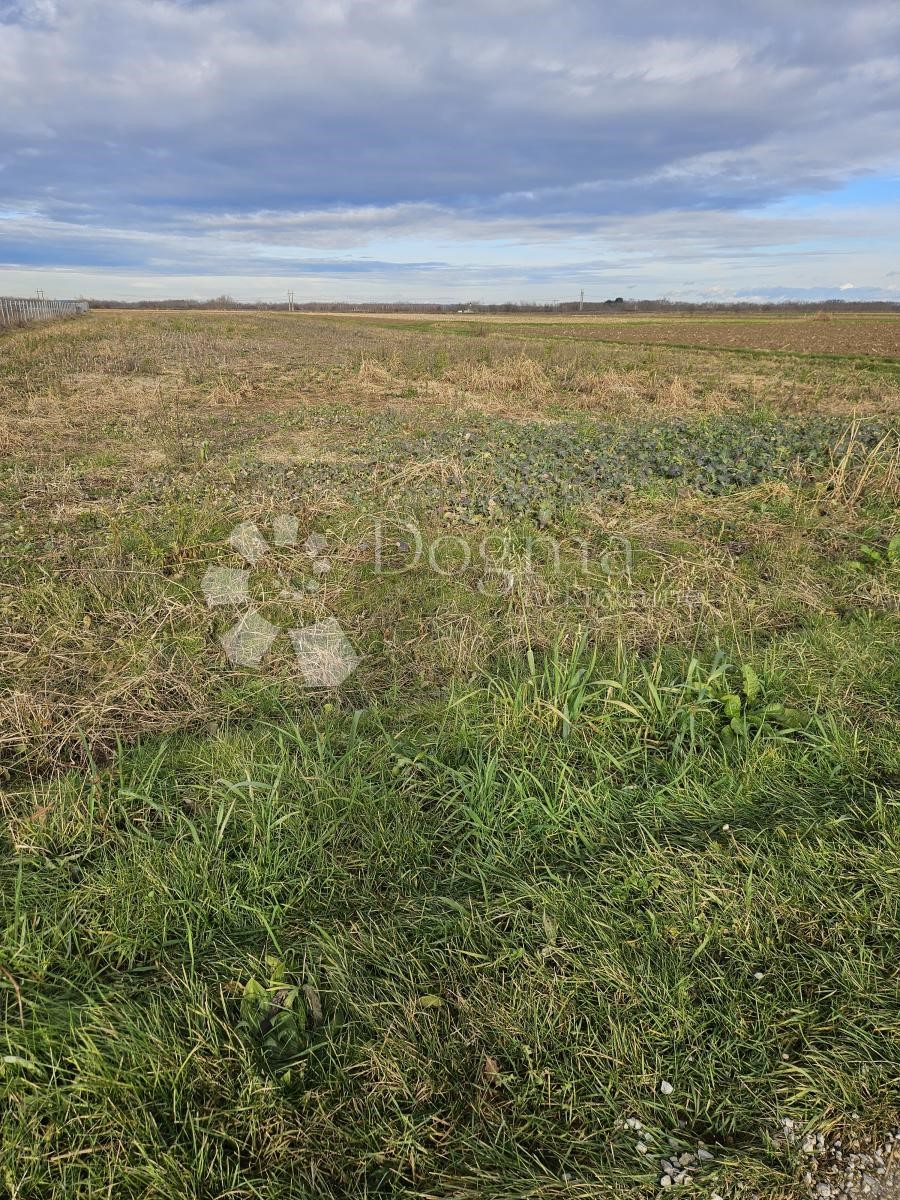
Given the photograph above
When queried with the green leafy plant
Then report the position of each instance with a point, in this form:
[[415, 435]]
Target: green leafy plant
[[870, 558], [274, 1015], [742, 708], [568, 688]]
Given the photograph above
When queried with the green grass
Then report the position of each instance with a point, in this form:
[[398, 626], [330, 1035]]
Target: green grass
[[515, 925], [439, 932]]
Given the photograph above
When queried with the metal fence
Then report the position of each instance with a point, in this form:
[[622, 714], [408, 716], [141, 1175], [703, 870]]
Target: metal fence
[[15, 311]]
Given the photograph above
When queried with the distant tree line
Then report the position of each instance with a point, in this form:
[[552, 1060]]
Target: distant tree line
[[475, 307]]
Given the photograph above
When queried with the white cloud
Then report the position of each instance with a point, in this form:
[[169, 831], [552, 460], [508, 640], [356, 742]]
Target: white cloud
[[214, 136]]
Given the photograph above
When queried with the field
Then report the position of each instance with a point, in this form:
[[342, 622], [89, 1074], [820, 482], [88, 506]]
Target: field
[[577, 856]]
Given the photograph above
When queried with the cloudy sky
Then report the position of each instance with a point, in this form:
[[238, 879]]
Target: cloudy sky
[[450, 149]]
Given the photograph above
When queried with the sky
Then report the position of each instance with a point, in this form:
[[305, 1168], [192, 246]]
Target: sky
[[450, 150]]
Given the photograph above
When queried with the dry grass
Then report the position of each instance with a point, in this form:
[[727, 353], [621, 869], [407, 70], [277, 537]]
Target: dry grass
[[446, 471], [871, 473], [519, 378], [377, 375], [804, 334], [123, 364], [10, 438], [139, 422]]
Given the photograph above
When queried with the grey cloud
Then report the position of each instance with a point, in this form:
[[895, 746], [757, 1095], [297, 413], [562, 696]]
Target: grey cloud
[[193, 130]]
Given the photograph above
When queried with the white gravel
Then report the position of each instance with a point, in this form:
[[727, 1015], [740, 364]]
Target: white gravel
[[851, 1169]]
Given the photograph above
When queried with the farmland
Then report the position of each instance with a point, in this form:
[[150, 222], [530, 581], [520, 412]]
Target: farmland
[[591, 859]]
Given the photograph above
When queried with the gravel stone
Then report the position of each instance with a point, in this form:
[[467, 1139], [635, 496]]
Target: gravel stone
[[864, 1171]]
